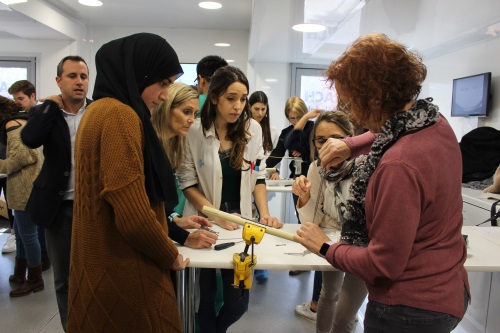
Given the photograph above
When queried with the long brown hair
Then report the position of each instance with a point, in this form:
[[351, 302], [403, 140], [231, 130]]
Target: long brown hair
[[178, 93], [237, 132], [260, 97]]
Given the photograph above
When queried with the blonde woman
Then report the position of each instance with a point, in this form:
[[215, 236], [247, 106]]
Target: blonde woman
[[171, 121]]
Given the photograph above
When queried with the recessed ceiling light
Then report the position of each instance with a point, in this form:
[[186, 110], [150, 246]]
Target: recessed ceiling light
[[222, 44], [93, 3], [229, 60], [210, 5], [271, 80], [309, 27]]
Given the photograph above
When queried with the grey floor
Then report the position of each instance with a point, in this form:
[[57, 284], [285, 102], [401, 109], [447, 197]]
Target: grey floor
[[271, 304]]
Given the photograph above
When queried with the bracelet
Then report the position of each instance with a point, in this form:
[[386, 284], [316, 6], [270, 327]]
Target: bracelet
[[172, 216]]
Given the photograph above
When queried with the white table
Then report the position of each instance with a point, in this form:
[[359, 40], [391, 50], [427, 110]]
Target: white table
[[482, 256]]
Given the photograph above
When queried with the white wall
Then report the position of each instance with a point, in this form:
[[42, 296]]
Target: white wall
[[186, 43], [48, 54]]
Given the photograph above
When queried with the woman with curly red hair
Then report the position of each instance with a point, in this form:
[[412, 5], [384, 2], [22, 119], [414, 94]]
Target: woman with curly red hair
[[402, 229]]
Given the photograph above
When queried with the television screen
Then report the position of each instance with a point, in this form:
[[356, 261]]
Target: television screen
[[471, 96]]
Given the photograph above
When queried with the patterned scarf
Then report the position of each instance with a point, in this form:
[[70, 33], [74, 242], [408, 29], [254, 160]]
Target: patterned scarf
[[421, 115]]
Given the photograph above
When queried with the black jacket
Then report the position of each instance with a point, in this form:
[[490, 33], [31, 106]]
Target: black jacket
[[47, 127]]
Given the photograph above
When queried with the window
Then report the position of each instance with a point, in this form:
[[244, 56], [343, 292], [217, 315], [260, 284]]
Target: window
[[13, 69], [309, 83]]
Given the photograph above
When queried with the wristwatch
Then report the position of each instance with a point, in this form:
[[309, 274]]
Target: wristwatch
[[172, 216], [325, 247]]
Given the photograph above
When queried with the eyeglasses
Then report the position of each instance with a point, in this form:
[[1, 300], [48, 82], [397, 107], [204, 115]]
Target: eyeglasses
[[319, 141], [294, 118]]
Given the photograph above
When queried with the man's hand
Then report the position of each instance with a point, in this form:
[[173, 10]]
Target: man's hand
[[311, 236], [179, 263], [271, 221], [200, 239], [192, 222]]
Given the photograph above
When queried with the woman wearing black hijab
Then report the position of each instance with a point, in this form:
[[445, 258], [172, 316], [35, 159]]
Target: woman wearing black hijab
[[121, 255]]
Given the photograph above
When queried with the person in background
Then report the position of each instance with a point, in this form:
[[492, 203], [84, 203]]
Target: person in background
[[222, 169], [123, 181], [322, 199], [296, 139], [259, 108], [402, 228], [22, 166], [51, 200], [24, 93], [204, 71], [10, 243], [171, 121]]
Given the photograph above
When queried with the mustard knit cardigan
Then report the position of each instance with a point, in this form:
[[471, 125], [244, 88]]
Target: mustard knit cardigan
[[120, 251]]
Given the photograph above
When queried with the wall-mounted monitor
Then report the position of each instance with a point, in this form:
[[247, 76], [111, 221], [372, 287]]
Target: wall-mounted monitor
[[471, 96]]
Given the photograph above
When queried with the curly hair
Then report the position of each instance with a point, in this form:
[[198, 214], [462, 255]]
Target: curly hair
[[237, 132], [378, 75], [9, 110]]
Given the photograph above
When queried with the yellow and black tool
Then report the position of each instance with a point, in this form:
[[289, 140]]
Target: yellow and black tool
[[244, 262]]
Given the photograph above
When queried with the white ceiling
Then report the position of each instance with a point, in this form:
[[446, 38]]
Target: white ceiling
[[432, 26]]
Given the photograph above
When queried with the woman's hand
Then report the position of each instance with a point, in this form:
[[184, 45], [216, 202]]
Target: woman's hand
[[192, 222], [179, 263], [54, 98], [333, 152], [313, 114], [301, 187], [295, 153], [311, 236], [271, 221], [226, 224], [274, 176], [200, 239]]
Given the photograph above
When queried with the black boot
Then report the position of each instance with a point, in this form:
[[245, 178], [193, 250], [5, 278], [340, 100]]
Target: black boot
[[19, 275], [33, 283]]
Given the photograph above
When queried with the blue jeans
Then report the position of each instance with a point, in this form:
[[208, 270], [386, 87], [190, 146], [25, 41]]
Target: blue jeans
[[234, 304], [381, 318], [28, 245], [58, 238], [318, 281]]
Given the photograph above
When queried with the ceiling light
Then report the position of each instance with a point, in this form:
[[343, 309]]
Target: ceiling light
[[229, 60], [309, 27], [271, 80], [222, 44], [12, 2], [93, 3], [209, 5]]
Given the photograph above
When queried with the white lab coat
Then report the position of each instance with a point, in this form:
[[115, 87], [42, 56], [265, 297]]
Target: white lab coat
[[202, 167]]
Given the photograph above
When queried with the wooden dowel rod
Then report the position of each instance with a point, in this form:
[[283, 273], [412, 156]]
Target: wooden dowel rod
[[241, 221]]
